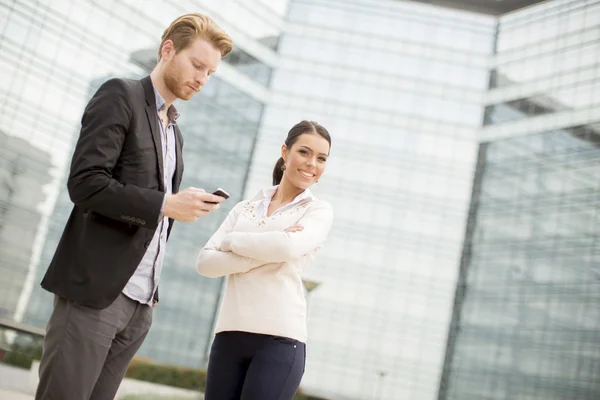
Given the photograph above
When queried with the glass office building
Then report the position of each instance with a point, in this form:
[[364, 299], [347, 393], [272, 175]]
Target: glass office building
[[54, 56], [463, 260], [527, 317]]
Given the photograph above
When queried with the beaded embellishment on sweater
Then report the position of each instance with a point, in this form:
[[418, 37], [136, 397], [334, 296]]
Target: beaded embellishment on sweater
[[250, 212]]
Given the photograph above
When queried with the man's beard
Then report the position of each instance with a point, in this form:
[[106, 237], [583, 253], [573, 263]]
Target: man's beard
[[172, 83]]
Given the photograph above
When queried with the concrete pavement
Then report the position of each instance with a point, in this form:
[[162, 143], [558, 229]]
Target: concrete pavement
[[19, 384]]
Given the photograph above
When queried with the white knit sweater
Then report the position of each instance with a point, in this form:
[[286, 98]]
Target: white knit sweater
[[264, 264]]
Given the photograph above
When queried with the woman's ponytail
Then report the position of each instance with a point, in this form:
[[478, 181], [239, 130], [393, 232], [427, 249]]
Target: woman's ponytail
[[278, 171]]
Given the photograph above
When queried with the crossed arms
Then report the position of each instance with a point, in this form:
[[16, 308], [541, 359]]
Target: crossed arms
[[230, 252]]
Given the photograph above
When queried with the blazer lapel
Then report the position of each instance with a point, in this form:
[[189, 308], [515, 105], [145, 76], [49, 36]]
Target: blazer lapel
[[152, 115]]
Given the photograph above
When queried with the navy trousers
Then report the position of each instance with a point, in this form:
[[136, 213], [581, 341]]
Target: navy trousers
[[251, 366]]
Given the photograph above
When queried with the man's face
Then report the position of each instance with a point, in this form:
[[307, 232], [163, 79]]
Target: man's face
[[187, 71]]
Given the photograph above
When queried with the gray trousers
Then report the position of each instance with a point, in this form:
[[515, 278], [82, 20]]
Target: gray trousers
[[86, 351]]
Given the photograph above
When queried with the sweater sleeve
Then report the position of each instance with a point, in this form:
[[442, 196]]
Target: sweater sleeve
[[214, 263], [280, 246]]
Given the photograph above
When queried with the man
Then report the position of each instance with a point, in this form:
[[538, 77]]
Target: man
[[124, 181]]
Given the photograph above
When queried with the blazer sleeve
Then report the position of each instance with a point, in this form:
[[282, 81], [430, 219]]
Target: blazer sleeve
[[214, 263], [91, 184], [281, 246]]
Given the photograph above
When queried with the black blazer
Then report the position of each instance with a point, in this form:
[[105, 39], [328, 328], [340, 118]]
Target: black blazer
[[116, 183]]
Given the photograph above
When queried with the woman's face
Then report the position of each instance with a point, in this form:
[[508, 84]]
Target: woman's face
[[305, 160]]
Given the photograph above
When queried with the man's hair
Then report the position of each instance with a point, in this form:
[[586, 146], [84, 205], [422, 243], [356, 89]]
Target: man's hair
[[187, 28]]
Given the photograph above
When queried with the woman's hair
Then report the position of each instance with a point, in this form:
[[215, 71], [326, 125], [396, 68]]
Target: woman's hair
[[297, 130], [188, 27]]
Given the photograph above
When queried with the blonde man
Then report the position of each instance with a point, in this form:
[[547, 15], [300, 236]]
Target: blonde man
[[124, 183]]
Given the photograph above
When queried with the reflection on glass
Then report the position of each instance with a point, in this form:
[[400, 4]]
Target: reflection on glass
[[527, 324], [24, 171]]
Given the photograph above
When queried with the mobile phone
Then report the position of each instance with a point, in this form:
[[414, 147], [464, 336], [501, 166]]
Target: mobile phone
[[221, 192]]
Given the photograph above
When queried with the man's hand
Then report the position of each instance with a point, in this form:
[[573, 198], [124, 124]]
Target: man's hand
[[191, 203]]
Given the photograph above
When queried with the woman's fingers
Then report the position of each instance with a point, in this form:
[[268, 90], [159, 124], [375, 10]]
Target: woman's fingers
[[294, 228]]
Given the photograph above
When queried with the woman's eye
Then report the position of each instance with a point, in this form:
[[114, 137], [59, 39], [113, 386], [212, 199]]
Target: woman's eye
[[303, 152], [322, 159]]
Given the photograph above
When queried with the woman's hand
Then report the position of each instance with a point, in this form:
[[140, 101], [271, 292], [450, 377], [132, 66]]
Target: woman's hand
[[294, 228]]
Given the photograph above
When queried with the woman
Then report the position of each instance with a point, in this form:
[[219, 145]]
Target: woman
[[263, 247]]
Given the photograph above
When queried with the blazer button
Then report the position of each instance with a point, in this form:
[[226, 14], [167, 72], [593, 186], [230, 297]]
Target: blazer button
[[147, 244]]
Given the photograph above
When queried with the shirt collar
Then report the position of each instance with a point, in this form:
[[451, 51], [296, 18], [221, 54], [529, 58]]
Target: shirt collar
[[268, 193], [172, 112]]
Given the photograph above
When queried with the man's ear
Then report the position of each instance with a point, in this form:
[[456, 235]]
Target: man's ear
[[167, 51]]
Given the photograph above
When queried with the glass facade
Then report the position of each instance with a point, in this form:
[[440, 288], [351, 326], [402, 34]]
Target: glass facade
[[23, 170], [463, 261], [528, 326], [546, 62], [54, 56], [400, 86], [250, 66], [527, 323]]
